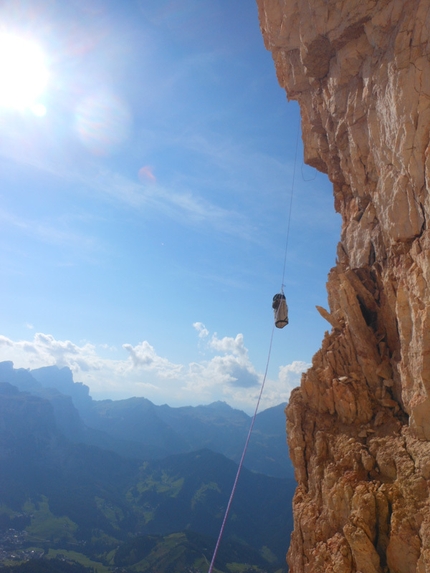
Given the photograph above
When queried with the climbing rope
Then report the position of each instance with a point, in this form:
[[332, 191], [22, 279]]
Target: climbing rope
[[239, 468]]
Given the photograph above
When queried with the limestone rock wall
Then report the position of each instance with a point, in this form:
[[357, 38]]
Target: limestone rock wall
[[359, 425]]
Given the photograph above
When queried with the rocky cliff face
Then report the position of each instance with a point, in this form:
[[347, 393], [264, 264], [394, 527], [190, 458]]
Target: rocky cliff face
[[359, 425]]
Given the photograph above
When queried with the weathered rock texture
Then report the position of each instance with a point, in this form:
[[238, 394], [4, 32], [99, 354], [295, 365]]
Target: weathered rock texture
[[359, 425]]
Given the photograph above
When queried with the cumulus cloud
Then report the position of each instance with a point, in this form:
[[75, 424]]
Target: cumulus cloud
[[219, 373], [228, 374], [242, 376], [5, 341], [225, 372], [233, 345], [144, 356], [45, 350], [292, 372], [201, 329]]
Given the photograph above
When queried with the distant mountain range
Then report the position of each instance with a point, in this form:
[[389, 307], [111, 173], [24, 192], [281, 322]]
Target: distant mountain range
[[137, 428], [89, 505], [130, 486]]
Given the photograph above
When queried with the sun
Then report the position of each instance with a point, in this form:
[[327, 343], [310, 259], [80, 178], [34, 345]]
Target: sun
[[23, 74]]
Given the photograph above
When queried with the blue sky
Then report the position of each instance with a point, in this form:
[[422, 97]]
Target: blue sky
[[144, 200]]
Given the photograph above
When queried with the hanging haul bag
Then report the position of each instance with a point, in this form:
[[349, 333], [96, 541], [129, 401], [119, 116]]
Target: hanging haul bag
[[280, 310]]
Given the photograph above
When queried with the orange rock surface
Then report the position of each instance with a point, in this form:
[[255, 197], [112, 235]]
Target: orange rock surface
[[359, 425]]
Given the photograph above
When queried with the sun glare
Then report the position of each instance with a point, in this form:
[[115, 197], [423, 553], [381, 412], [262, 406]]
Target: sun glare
[[23, 74]]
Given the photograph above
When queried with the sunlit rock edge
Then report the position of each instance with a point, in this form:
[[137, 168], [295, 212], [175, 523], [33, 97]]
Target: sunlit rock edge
[[359, 425]]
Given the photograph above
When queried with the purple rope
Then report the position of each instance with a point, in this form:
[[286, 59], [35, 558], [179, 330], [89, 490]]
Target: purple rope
[[239, 468]]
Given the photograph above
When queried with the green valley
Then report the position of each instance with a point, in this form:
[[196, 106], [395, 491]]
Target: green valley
[[66, 504]]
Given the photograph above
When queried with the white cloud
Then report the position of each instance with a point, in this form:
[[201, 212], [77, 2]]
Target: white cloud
[[225, 373], [229, 368], [291, 371], [231, 376], [44, 350], [143, 356], [201, 329], [5, 342], [233, 345]]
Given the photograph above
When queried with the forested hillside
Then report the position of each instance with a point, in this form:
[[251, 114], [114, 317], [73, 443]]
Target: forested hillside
[[93, 505]]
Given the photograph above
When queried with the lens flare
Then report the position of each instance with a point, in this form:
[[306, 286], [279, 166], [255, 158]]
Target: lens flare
[[23, 73], [103, 123], [146, 174]]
